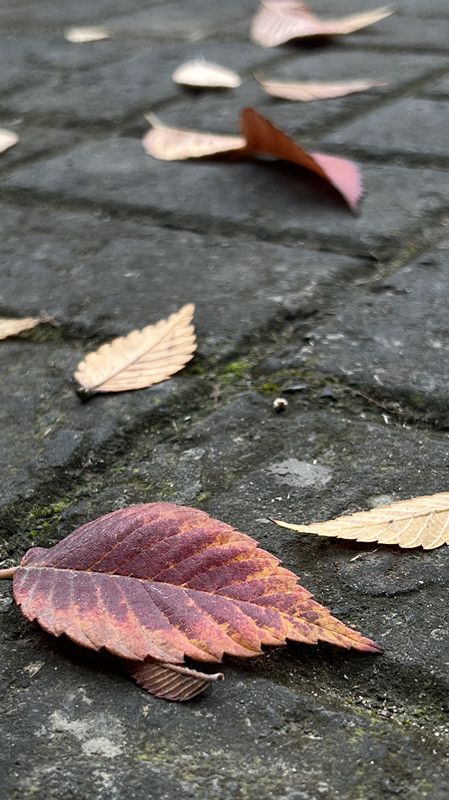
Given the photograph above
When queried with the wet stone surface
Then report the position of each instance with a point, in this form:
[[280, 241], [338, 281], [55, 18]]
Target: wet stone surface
[[343, 316]]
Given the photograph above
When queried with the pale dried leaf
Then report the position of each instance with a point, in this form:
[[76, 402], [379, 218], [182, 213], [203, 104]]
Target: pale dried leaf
[[206, 74], [279, 21], [419, 522], [7, 139], [170, 680], [83, 35], [142, 358], [175, 144], [305, 91], [11, 327]]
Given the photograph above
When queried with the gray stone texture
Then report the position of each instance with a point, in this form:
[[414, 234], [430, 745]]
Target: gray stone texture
[[343, 315]]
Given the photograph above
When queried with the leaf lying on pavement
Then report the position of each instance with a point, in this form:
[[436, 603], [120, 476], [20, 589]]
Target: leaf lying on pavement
[[142, 358], [263, 138], [161, 582], [305, 91], [205, 74], [7, 139], [260, 137], [11, 327], [421, 521], [84, 35], [175, 144], [279, 21]]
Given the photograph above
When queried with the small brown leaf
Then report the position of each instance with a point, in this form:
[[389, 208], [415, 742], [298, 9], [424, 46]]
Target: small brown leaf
[[279, 21], [83, 35], [142, 358], [205, 74], [11, 327], [263, 138], [174, 144], [7, 139], [309, 90], [419, 522], [171, 681]]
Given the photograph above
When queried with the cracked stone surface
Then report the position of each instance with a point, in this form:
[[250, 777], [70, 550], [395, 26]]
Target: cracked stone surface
[[344, 316]]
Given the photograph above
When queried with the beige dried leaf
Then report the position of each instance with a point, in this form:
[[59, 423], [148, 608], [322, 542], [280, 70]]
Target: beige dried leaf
[[171, 681], [279, 21], [175, 144], [79, 35], [11, 327], [7, 139], [205, 74], [313, 90], [142, 358], [419, 522]]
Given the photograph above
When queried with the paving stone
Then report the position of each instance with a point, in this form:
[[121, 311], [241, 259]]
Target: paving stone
[[191, 20], [408, 127], [269, 198], [36, 141], [158, 272], [131, 85], [158, 267], [293, 704], [402, 8], [220, 113], [47, 15], [394, 339], [42, 58], [439, 88]]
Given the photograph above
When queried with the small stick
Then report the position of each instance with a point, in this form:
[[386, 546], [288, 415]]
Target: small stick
[[7, 573]]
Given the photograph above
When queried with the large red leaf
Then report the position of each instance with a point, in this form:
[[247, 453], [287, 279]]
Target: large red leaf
[[161, 582]]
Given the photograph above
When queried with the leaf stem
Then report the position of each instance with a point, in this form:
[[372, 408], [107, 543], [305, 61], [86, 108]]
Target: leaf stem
[[7, 573]]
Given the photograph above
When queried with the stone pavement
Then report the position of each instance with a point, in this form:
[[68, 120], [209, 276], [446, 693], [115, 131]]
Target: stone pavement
[[344, 315]]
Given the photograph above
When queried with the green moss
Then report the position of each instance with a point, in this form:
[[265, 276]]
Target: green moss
[[41, 512], [237, 369], [271, 388]]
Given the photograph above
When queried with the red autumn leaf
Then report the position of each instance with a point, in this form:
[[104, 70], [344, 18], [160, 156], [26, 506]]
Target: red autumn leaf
[[159, 582], [263, 138]]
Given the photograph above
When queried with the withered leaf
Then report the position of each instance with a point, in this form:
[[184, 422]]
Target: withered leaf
[[279, 21], [175, 144], [82, 35], [169, 680], [421, 521], [305, 91], [260, 137], [205, 74], [161, 582], [7, 139], [142, 358], [263, 138], [11, 327]]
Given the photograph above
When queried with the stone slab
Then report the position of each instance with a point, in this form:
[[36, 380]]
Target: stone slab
[[271, 199], [43, 58], [206, 111], [380, 723], [396, 338], [410, 127], [47, 15], [132, 85], [240, 288], [191, 21]]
